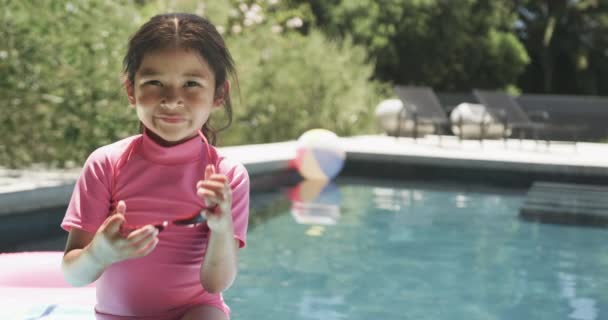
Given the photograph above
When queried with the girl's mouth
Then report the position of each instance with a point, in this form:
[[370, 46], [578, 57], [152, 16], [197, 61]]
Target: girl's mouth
[[171, 119]]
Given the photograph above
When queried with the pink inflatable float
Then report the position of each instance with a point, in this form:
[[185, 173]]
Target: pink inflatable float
[[32, 287]]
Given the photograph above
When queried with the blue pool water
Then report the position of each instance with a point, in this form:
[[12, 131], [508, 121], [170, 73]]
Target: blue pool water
[[369, 249], [415, 251]]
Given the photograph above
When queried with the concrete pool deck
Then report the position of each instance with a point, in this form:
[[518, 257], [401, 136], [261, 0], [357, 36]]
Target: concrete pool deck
[[35, 189]]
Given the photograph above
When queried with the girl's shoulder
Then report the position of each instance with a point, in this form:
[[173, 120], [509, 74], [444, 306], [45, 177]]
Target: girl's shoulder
[[230, 166], [109, 154]]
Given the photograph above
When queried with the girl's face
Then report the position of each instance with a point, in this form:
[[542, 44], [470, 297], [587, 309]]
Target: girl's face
[[174, 93]]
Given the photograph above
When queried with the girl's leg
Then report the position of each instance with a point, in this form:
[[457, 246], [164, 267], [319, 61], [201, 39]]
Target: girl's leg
[[205, 313]]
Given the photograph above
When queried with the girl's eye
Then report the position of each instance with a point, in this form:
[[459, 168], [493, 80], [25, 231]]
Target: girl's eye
[[154, 83], [192, 84]]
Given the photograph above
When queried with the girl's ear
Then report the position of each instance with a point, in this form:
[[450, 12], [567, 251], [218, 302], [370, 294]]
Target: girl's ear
[[221, 93], [130, 92]]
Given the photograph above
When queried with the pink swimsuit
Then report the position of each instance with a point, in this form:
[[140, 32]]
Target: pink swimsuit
[[157, 183]]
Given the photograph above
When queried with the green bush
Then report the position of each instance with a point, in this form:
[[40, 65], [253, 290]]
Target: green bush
[[291, 83], [294, 78], [60, 88], [62, 94]]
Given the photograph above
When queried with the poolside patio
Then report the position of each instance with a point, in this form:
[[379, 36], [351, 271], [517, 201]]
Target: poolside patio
[[580, 158], [25, 190]]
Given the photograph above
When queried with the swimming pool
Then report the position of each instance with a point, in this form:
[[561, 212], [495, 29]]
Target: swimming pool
[[378, 249], [417, 251]]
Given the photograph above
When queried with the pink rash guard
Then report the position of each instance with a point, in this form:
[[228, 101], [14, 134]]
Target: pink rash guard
[[157, 183]]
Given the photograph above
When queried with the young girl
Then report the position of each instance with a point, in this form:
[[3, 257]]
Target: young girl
[[176, 72]]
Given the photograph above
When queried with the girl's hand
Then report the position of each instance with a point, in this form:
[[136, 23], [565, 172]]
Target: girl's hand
[[215, 190], [110, 245]]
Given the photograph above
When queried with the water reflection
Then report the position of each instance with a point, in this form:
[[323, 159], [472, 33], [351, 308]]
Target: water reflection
[[321, 307], [315, 202], [461, 201], [388, 199], [583, 308]]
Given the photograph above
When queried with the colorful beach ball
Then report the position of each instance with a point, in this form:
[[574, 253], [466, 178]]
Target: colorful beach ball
[[320, 155]]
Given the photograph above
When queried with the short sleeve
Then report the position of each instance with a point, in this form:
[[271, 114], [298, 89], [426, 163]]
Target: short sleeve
[[239, 185], [91, 199]]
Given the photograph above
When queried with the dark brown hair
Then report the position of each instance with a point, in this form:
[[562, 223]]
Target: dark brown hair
[[187, 31]]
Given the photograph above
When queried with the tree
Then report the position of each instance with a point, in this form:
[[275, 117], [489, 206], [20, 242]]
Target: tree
[[568, 42], [449, 45]]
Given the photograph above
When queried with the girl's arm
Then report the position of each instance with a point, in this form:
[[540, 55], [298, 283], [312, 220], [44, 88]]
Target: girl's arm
[[79, 266], [219, 267], [88, 255]]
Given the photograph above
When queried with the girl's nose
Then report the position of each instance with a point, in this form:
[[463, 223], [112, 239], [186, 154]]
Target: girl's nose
[[171, 99]]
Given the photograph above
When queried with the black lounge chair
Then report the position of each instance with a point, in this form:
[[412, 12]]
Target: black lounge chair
[[503, 107], [423, 105]]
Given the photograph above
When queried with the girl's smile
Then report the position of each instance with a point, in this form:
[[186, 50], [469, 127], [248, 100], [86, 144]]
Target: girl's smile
[[172, 119]]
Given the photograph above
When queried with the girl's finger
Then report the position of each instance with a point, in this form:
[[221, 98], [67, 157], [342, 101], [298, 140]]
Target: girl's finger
[[218, 177], [223, 180], [141, 242], [208, 198], [211, 199], [210, 184], [214, 177], [209, 170], [141, 233], [206, 192], [111, 227], [140, 245], [121, 207], [147, 248], [219, 193], [202, 192]]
